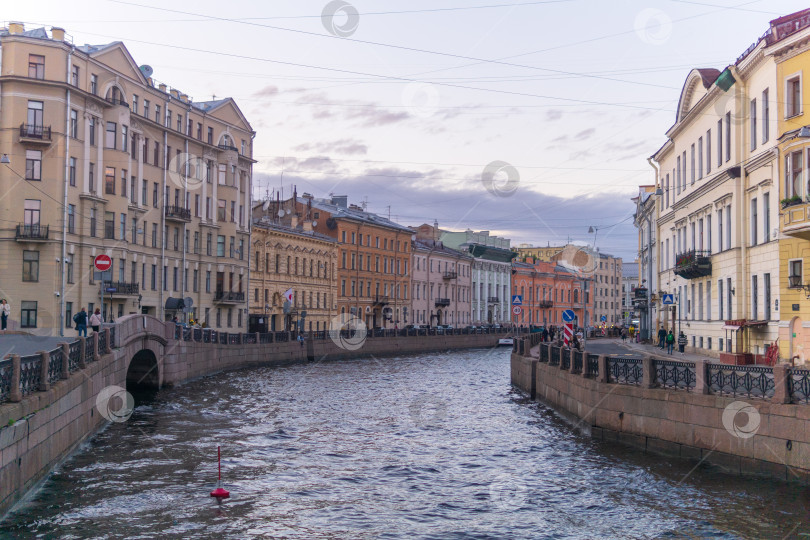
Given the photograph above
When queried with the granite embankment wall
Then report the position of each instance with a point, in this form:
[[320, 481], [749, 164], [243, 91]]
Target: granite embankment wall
[[733, 417], [49, 403]]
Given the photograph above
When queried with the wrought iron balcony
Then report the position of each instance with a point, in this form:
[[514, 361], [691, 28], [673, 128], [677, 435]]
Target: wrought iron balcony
[[117, 101], [442, 302], [493, 300], [35, 134], [178, 213], [227, 147], [28, 233], [229, 297], [380, 300], [545, 304], [450, 275], [693, 264], [121, 288]]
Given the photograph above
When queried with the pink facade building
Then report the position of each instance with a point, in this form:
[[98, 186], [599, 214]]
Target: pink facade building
[[441, 284]]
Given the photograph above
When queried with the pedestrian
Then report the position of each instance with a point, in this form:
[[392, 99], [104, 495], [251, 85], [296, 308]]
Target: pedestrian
[[81, 322], [545, 335], [670, 339], [682, 342], [662, 335], [624, 335], [96, 320], [301, 340], [632, 332], [5, 311]]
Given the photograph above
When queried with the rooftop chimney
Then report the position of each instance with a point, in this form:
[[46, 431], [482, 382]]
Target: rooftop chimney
[[307, 226], [162, 87], [294, 221], [57, 34], [175, 93], [16, 28], [184, 97]]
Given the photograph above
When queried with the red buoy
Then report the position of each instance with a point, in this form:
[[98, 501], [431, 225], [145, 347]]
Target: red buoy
[[220, 492]]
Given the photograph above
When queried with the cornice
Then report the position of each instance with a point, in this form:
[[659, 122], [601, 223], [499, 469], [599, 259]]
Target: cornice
[[761, 160]]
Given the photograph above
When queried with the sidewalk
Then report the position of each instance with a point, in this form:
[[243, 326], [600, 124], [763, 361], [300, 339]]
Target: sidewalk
[[653, 350]]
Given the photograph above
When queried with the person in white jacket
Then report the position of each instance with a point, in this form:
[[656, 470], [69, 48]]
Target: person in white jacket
[[5, 312], [96, 320]]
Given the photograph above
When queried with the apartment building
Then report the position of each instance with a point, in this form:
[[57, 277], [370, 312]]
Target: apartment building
[[644, 299], [291, 256], [491, 273], [546, 290], [442, 280], [105, 160], [717, 206], [373, 259]]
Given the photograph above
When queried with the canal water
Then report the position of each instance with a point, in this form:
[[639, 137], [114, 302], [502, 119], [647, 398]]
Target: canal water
[[429, 446]]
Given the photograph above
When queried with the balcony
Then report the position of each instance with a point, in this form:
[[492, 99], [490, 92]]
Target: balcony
[[381, 301], [117, 101], [178, 213], [35, 134], [229, 297], [693, 264], [121, 288], [545, 304], [31, 233], [796, 219], [228, 147], [450, 275], [440, 302], [493, 300]]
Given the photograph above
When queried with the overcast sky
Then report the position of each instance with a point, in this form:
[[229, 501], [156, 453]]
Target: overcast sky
[[531, 119]]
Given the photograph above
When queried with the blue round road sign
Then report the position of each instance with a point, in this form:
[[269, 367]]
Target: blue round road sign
[[604, 318], [568, 315]]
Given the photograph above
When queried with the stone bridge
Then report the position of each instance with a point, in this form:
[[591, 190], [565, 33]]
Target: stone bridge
[[52, 400]]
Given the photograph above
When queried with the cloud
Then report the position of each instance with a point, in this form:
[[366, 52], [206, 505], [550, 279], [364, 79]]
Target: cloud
[[584, 135], [267, 91], [348, 147], [553, 114]]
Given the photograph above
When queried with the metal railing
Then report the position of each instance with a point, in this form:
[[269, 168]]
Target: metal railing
[[624, 370], [34, 131], [178, 212], [55, 365], [32, 232], [121, 287], [30, 374], [748, 381], [229, 296], [592, 365], [674, 374], [6, 371]]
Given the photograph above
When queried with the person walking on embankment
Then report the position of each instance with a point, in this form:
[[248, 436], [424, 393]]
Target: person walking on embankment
[[662, 336], [682, 341], [95, 320], [670, 342], [81, 322]]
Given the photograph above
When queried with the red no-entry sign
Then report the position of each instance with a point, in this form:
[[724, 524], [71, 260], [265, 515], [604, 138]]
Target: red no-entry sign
[[102, 263]]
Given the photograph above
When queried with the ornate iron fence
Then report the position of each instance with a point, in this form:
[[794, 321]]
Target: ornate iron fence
[[799, 385], [55, 365], [748, 381], [178, 332], [624, 370], [266, 337], [223, 338], [281, 336], [544, 356], [555, 357], [30, 373], [565, 359], [103, 346], [74, 355], [6, 369], [592, 363], [674, 374], [248, 338], [578, 361], [206, 336], [198, 334], [187, 333], [233, 339], [214, 336], [89, 345], [112, 336]]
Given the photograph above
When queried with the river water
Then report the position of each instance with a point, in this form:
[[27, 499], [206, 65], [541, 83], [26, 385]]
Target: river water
[[428, 446]]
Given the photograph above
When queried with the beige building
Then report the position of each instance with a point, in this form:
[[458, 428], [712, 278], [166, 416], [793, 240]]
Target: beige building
[[104, 160], [291, 257], [544, 254], [718, 209]]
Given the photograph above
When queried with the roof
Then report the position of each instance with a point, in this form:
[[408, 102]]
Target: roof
[[265, 223], [90, 49], [630, 270], [338, 212], [438, 247], [708, 76], [208, 105]]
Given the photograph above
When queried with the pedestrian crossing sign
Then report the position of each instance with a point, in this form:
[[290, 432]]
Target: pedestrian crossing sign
[[517, 300], [667, 299]]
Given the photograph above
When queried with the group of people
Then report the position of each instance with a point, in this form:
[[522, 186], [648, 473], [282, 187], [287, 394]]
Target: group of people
[[81, 320], [667, 339]]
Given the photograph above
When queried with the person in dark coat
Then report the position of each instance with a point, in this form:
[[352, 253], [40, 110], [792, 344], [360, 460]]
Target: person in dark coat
[[81, 322], [682, 341], [662, 335], [670, 339]]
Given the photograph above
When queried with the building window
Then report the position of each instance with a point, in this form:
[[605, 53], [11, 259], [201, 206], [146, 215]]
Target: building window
[[692, 168], [28, 314], [766, 217], [30, 269], [793, 96], [33, 165], [221, 209], [74, 123], [36, 66], [795, 272], [94, 84], [708, 151], [109, 225], [109, 181], [700, 158], [112, 130], [754, 297], [72, 172], [210, 135], [766, 117], [753, 221], [794, 166], [124, 138], [753, 120], [220, 246], [71, 218], [728, 136]]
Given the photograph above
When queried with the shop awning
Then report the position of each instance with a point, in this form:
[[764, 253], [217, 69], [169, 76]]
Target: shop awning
[[730, 327]]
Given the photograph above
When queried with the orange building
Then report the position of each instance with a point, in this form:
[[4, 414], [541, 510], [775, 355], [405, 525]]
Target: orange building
[[546, 290]]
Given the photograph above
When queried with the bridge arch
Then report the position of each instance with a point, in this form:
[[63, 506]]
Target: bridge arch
[[143, 372]]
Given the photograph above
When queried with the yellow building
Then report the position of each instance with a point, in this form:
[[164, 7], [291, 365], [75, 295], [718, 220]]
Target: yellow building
[[291, 257], [104, 160], [544, 254], [790, 46]]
